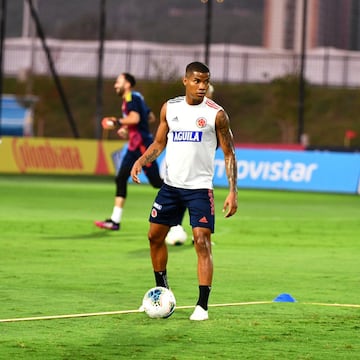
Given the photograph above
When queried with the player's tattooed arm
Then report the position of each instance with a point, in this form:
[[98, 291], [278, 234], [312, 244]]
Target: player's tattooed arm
[[150, 157], [231, 173], [226, 140]]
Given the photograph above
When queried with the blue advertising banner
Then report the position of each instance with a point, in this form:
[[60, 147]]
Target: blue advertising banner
[[298, 170], [318, 171]]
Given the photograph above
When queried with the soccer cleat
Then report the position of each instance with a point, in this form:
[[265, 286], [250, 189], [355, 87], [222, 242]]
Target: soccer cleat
[[108, 224], [199, 314]]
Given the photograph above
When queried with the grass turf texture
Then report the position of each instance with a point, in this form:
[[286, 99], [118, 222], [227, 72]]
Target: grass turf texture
[[54, 261]]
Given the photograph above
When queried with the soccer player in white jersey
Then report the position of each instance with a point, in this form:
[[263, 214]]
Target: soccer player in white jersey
[[191, 127]]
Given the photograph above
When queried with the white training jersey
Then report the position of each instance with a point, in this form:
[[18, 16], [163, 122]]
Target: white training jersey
[[191, 143]]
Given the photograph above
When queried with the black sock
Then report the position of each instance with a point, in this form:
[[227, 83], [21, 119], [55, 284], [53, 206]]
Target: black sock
[[204, 293], [161, 279]]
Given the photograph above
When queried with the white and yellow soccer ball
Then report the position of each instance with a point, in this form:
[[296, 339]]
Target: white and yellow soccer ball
[[176, 235], [159, 302]]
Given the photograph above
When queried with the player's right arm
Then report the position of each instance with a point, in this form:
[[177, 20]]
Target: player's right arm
[[155, 149]]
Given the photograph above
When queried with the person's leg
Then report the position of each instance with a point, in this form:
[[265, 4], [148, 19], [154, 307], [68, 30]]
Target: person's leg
[[166, 212], [121, 180], [113, 223], [153, 175], [202, 244], [119, 204], [201, 210], [159, 252]]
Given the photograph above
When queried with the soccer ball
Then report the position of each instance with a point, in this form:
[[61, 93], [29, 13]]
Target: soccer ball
[[159, 302], [176, 235]]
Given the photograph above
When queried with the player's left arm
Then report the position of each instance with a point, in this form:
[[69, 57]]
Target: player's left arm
[[133, 118], [226, 142], [111, 123]]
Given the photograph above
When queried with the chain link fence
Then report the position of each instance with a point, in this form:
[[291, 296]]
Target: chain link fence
[[152, 61]]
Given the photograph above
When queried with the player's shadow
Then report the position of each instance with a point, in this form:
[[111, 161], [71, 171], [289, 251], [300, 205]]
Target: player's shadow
[[90, 236]]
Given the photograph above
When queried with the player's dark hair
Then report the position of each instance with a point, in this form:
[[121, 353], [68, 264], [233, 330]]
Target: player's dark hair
[[196, 66], [130, 79]]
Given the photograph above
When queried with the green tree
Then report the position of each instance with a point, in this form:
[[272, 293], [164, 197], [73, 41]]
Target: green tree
[[284, 105]]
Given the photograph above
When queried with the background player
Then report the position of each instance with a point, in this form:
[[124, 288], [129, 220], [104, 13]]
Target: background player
[[134, 124]]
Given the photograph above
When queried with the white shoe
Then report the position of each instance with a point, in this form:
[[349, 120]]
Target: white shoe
[[199, 314], [176, 235]]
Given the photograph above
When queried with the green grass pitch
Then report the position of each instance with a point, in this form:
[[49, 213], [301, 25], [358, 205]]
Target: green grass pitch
[[54, 261]]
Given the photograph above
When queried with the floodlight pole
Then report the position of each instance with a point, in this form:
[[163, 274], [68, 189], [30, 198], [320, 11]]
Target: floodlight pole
[[100, 78], [55, 76], [302, 72], [28, 31], [2, 37], [208, 31]]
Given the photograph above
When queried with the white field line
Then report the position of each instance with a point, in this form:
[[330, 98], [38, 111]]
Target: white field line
[[302, 218], [71, 316], [336, 305]]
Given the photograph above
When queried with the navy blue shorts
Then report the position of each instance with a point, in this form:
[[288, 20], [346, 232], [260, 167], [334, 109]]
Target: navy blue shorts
[[171, 203]]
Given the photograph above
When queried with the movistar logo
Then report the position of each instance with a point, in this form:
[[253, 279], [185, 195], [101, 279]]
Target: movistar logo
[[190, 136]]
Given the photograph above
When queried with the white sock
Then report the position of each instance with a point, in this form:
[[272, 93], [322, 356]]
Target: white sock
[[116, 214]]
